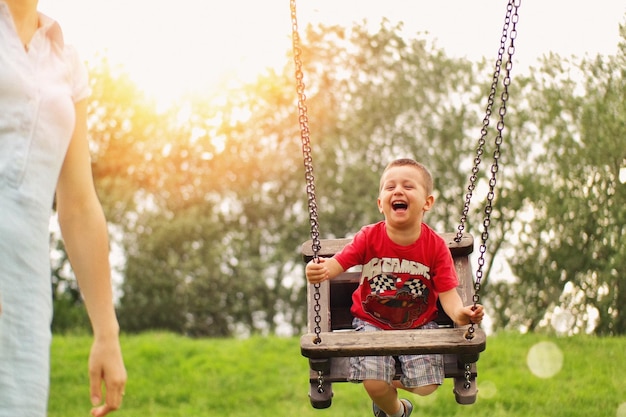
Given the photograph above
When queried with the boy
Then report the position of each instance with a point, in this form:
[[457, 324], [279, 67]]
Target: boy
[[406, 268]]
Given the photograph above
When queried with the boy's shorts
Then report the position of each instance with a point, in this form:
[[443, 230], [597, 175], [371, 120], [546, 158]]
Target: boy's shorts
[[417, 370]]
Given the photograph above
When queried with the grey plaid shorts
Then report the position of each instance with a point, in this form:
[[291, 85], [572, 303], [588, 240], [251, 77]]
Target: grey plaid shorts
[[417, 370]]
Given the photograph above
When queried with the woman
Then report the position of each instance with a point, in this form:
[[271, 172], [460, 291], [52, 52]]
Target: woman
[[43, 151]]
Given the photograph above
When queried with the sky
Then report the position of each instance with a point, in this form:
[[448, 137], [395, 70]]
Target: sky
[[169, 47]]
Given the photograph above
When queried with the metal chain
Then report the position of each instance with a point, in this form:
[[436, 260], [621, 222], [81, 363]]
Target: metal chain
[[320, 382], [484, 130], [308, 162], [512, 16], [510, 21], [467, 384]]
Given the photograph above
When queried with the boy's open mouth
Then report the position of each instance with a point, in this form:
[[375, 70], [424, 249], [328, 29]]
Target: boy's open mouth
[[399, 205]]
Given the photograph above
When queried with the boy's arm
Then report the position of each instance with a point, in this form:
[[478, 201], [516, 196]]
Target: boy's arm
[[460, 314]]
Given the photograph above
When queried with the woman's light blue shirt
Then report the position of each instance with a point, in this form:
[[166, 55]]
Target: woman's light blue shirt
[[38, 88]]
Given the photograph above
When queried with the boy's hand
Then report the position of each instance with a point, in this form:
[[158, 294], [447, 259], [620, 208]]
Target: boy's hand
[[472, 315], [316, 272]]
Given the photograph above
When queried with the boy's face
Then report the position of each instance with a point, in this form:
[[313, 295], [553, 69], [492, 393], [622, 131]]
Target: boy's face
[[403, 197]]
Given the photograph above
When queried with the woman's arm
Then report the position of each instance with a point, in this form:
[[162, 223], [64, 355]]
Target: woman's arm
[[84, 231]]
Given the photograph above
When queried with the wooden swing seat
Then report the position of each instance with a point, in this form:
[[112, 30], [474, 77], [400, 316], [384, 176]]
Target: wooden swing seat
[[339, 341], [393, 342]]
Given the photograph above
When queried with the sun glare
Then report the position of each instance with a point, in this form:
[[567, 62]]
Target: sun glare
[[189, 46], [175, 48]]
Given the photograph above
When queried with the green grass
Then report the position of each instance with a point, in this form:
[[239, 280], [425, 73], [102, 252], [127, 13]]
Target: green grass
[[172, 376]]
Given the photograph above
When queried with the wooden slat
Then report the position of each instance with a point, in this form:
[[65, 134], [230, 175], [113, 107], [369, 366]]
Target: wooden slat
[[393, 342], [329, 247], [339, 369]]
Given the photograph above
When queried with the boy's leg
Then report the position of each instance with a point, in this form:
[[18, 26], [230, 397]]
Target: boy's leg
[[377, 373], [384, 395], [421, 374], [423, 391]]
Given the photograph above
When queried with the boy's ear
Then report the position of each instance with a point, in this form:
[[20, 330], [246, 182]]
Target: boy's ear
[[380, 205], [430, 202]]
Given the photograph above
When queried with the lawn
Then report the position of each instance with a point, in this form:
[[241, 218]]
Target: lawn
[[171, 376]]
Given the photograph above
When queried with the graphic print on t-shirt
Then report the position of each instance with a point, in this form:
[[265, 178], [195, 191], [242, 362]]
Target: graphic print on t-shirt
[[397, 298]]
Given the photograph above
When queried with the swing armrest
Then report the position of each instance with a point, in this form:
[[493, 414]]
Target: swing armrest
[[394, 342]]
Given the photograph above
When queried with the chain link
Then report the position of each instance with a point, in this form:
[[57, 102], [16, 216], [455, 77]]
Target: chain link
[[468, 376], [308, 160], [320, 382]]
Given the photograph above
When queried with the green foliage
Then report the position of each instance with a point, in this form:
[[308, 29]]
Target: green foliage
[[70, 317], [207, 199], [209, 253], [123, 133], [379, 96], [213, 252], [568, 255], [174, 376]]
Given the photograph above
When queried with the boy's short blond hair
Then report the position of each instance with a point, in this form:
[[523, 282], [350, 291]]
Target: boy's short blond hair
[[426, 175]]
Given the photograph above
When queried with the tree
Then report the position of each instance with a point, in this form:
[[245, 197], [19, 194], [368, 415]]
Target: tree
[[208, 199], [238, 162], [569, 257], [235, 168], [379, 96], [217, 224]]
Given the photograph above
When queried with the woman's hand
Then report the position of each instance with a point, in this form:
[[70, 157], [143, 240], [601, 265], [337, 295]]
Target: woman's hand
[[106, 366]]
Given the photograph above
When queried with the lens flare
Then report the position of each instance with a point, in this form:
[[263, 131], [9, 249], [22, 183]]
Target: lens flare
[[487, 389], [545, 359]]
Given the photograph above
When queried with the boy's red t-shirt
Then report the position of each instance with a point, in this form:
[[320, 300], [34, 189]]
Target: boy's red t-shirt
[[399, 285]]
